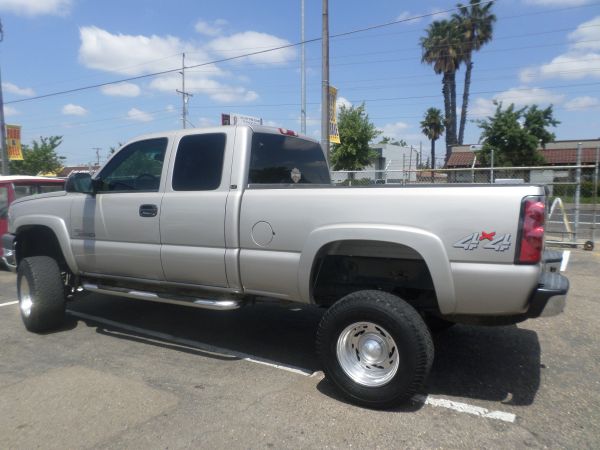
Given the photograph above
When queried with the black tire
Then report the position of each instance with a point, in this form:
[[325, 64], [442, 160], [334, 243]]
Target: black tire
[[393, 318], [41, 294], [588, 245]]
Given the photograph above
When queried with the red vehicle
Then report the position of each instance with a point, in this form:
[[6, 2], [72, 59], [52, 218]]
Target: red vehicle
[[17, 186]]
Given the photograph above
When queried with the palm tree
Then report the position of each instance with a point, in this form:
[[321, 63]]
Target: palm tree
[[442, 48], [432, 126], [476, 25]]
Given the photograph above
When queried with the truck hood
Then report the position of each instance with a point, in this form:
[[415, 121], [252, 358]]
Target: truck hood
[[40, 196]]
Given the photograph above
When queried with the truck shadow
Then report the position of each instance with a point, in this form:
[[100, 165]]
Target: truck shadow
[[489, 363], [500, 364]]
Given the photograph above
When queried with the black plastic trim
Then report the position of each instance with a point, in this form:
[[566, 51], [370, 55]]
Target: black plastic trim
[[551, 284], [552, 256]]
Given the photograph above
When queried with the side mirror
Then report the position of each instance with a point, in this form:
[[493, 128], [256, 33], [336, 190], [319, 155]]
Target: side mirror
[[80, 182]]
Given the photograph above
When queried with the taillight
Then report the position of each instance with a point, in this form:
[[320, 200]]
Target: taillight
[[531, 243]]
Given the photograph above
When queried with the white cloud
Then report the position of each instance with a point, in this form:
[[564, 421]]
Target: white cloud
[[121, 90], [205, 122], [253, 41], [216, 90], [36, 7], [439, 14], [11, 111], [527, 96], [482, 107], [132, 55], [139, 115], [404, 15], [394, 130], [342, 101], [138, 54], [519, 96], [580, 103], [273, 123], [582, 59], [587, 35], [74, 110], [210, 29], [14, 89]]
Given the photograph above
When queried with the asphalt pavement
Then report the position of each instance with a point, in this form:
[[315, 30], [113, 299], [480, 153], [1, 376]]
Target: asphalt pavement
[[132, 374]]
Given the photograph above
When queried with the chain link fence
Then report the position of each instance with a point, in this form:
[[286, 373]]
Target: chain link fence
[[573, 191]]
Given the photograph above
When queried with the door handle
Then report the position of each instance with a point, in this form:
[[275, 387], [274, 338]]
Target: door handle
[[148, 210]]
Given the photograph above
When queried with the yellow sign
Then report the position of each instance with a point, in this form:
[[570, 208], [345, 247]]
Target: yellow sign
[[334, 135], [13, 142]]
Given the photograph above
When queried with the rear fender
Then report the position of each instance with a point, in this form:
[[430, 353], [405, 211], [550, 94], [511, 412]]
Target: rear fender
[[428, 245]]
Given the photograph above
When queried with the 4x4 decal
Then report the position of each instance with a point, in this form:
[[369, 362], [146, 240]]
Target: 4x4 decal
[[498, 243]]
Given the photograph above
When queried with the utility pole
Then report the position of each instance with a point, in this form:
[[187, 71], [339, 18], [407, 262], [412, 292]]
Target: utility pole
[[5, 169], [302, 72], [97, 154], [185, 96], [325, 81]]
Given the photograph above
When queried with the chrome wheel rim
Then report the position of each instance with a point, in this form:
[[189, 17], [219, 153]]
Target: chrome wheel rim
[[368, 354], [25, 300]]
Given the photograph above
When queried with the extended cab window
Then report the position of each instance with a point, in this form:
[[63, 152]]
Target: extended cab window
[[137, 167], [279, 159], [199, 162], [23, 190]]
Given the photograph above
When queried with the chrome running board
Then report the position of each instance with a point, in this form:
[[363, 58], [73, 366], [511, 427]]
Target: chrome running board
[[219, 305]]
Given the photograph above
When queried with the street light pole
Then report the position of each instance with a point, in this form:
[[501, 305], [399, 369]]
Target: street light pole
[[5, 168], [325, 81], [302, 72]]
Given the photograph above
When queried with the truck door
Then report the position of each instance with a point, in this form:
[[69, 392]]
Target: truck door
[[192, 218], [116, 232]]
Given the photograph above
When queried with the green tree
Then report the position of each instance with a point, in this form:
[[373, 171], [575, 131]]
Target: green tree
[[389, 140], [39, 158], [537, 120], [356, 132], [432, 126], [112, 149], [442, 48], [515, 134], [476, 25]]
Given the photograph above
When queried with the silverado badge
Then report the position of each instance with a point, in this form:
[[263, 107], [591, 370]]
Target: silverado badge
[[295, 175]]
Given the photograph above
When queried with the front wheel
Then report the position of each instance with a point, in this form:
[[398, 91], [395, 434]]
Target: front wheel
[[375, 348], [41, 294]]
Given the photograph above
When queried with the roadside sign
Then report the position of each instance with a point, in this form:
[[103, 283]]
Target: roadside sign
[[13, 142], [334, 135], [240, 119]]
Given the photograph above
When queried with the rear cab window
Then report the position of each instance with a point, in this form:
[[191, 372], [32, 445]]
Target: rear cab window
[[199, 162], [286, 160]]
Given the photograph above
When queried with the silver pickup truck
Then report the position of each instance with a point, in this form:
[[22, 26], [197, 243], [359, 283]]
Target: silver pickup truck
[[217, 218]]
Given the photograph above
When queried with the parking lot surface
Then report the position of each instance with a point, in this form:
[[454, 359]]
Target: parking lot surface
[[131, 374]]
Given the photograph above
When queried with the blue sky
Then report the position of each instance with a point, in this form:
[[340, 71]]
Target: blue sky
[[544, 51]]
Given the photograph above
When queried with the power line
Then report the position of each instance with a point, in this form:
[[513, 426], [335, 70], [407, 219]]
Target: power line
[[373, 100], [260, 52]]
